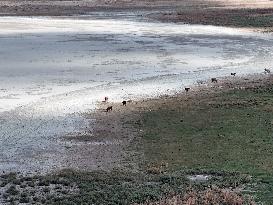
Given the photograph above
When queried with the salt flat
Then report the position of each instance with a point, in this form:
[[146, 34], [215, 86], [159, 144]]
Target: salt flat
[[54, 69]]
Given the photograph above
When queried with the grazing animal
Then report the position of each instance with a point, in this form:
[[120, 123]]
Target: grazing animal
[[124, 102], [266, 70], [233, 74], [187, 89], [105, 99], [110, 108], [214, 80]]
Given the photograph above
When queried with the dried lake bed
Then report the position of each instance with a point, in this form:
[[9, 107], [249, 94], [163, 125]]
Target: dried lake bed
[[53, 69]]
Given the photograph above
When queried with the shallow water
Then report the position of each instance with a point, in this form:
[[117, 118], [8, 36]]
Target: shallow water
[[53, 69]]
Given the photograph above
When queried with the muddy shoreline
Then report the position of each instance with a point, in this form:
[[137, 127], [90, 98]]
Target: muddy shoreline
[[125, 163], [238, 14], [211, 12], [124, 123], [176, 55]]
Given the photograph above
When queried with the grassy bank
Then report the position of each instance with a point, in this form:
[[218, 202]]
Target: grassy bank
[[116, 187], [220, 133], [229, 131]]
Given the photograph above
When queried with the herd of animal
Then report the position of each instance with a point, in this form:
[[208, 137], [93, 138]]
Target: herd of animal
[[110, 108], [187, 89]]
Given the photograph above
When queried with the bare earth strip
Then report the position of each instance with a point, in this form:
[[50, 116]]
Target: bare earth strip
[[57, 7], [105, 146]]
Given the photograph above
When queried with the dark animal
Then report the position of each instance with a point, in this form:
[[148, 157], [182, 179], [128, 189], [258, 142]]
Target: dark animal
[[233, 74], [124, 103], [110, 108], [214, 80], [266, 70], [187, 89], [105, 99]]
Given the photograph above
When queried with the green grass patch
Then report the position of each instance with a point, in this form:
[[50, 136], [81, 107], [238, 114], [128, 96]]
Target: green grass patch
[[117, 187], [226, 136], [231, 131]]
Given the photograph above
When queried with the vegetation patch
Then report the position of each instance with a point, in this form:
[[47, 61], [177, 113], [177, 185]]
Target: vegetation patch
[[230, 131], [257, 18], [120, 187], [17, 189]]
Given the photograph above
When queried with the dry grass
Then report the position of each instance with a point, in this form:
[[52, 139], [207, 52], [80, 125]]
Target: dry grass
[[158, 168], [212, 196], [244, 3]]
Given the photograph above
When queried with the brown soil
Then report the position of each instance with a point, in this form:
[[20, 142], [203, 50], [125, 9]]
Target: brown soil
[[106, 145]]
